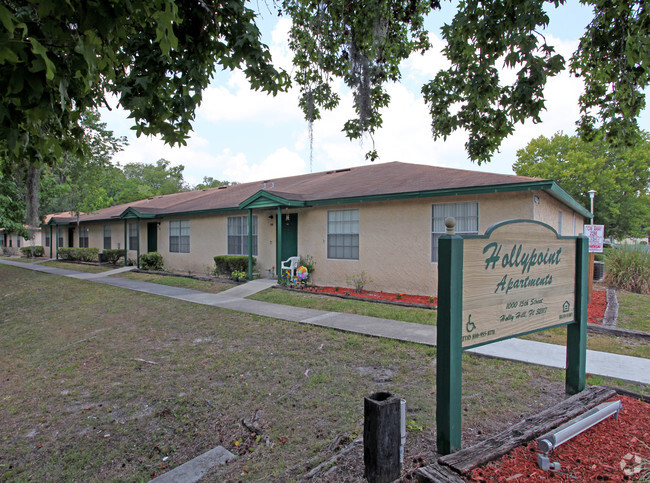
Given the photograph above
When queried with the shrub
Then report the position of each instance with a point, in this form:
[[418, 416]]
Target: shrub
[[112, 256], [239, 276], [359, 281], [35, 251], [79, 254], [227, 264], [629, 269], [151, 261]]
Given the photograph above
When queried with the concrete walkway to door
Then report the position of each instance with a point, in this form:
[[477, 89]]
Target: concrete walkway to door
[[633, 369]]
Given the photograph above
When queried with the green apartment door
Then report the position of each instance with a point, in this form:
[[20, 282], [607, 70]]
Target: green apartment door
[[152, 237], [289, 236]]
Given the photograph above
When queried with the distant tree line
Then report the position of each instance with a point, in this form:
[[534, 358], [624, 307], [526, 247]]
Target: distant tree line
[[83, 184]]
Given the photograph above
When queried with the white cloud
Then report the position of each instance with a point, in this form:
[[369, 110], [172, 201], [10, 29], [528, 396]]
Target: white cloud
[[283, 162]]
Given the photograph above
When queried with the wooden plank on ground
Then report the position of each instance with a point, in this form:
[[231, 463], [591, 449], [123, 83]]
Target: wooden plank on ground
[[436, 474], [467, 459]]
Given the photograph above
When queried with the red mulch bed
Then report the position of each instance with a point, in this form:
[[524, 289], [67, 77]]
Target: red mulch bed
[[602, 453], [380, 296], [596, 309]]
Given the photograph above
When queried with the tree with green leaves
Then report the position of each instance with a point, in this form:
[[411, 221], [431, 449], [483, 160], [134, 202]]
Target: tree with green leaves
[[620, 175], [60, 59], [143, 180], [210, 182], [364, 42], [81, 184]]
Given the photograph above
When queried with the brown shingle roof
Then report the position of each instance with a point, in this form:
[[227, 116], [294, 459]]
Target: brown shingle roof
[[365, 181]]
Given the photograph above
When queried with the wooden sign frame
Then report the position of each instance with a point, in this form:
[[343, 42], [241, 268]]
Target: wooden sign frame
[[522, 261]]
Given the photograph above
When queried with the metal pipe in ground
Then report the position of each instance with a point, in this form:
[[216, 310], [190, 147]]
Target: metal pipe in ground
[[381, 437]]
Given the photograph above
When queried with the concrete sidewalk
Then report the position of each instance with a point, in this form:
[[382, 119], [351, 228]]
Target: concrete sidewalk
[[633, 369]]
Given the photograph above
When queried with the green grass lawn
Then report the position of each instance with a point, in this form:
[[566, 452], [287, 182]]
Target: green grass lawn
[[183, 282], [335, 304], [104, 384], [596, 342], [21, 259], [633, 311], [78, 267]]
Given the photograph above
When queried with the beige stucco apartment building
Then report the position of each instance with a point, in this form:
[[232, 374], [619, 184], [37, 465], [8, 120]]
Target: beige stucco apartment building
[[382, 219]]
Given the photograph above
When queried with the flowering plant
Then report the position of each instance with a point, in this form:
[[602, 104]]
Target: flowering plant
[[302, 273]]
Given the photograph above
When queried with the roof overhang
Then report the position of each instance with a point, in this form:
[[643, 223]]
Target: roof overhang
[[264, 199], [549, 186]]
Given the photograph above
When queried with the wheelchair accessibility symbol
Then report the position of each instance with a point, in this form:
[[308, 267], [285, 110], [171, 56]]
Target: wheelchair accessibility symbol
[[470, 326]]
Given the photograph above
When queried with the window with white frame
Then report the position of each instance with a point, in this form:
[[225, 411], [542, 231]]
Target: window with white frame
[[83, 237], [343, 234], [59, 238], [179, 236], [466, 215], [238, 235], [133, 236], [107, 237]]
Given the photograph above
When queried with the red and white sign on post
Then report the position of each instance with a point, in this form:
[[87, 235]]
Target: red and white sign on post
[[596, 234]]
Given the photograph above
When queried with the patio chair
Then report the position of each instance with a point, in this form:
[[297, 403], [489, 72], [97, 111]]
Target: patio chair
[[291, 264]]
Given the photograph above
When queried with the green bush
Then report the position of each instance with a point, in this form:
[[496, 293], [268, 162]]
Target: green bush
[[79, 254], [629, 269], [226, 264], [35, 251], [112, 256], [151, 261], [239, 276]]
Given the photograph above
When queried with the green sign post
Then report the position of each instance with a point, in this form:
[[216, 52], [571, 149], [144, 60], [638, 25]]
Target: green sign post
[[520, 277]]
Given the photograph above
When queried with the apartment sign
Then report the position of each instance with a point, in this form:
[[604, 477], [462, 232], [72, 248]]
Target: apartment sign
[[518, 279]]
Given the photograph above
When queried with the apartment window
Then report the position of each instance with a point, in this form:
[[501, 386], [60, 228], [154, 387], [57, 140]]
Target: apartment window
[[47, 238], [343, 234], [179, 236], [238, 235], [10, 241], [466, 215], [133, 236], [59, 237], [107, 237], [83, 237], [17, 241], [574, 224]]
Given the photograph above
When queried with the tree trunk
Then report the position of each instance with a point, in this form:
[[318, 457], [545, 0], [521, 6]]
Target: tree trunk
[[32, 197]]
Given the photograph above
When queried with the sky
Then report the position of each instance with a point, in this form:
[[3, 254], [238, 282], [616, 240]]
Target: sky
[[242, 135]]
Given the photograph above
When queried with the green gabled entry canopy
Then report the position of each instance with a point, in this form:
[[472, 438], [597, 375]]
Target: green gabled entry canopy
[[266, 199], [130, 212]]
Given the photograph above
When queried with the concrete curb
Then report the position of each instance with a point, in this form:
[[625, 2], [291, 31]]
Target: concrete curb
[[195, 469]]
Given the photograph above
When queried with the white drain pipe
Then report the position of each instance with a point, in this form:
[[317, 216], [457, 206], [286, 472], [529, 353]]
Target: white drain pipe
[[564, 433]]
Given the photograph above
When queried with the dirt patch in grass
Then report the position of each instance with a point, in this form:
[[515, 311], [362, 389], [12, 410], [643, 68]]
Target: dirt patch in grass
[[100, 383], [183, 282]]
